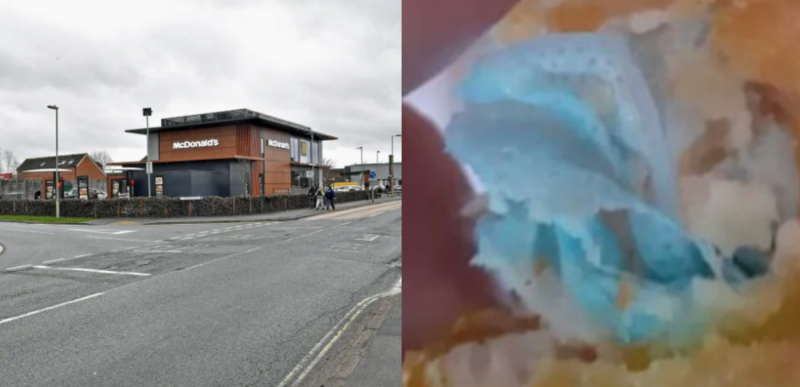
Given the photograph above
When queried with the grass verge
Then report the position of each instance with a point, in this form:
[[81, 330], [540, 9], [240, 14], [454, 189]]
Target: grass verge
[[41, 219]]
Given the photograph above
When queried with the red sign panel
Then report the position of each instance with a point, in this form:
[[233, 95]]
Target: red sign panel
[[6, 176]]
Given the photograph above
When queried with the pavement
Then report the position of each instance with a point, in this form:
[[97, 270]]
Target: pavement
[[264, 303], [275, 216], [381, 364]]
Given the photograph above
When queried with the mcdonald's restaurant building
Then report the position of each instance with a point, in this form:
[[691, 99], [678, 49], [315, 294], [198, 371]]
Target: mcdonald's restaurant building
[[230, 153]]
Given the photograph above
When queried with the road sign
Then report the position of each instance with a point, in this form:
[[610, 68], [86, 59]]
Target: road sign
[[372, 174], [149, 167]]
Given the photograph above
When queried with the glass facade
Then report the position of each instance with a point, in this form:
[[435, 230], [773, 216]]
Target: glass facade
[[294, 148]]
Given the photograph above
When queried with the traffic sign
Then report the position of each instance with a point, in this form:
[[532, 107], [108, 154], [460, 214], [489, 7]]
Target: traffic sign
[[372, 174]]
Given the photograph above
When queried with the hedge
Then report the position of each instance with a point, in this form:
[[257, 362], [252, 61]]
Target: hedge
[[162, 207]]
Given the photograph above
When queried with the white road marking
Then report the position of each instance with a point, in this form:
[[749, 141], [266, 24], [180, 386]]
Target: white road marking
[[374, 215], [80, 256], [294, 228], [300, 236], [10, 319], [18, 267], [367, 237], [92, 270], [221, 258], [337, 333], [345, 224], [32, 232], [105, 232], [123, 239], [54, 260]]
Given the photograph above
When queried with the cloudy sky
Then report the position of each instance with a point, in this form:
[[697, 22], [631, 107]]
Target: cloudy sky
[[331, 65]]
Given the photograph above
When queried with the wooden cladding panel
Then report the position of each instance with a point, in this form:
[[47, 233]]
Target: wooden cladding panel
[[226, 135], [278, 174], [235, 140]]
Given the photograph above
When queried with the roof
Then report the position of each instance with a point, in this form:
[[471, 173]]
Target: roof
[[64, 161], [230, 117]]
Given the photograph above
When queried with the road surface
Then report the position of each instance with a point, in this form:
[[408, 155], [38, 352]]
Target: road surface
[[187, 305]]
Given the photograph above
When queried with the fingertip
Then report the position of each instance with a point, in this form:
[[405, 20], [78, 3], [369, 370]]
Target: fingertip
[[436, 32]]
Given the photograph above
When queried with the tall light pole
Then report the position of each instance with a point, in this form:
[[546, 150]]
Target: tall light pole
[[58, 202], [391, 165], [147, 112], [311, 153], [361, 167]]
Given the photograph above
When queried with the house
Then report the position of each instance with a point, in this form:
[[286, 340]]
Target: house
[[70, 167]]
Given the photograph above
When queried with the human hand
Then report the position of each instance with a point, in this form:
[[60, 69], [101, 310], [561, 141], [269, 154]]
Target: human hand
[[440, 286]]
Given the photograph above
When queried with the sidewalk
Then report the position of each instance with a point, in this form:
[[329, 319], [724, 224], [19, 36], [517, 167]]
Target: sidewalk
[[274, 216], [381, 365]]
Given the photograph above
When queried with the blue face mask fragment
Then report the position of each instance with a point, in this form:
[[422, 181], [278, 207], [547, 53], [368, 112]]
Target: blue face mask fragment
[[566, 139]]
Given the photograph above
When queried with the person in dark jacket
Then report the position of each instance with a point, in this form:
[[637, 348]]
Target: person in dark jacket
[[312, 193], [329, 195]]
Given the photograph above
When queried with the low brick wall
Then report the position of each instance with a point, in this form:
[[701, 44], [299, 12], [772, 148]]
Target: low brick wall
[[160, 207]]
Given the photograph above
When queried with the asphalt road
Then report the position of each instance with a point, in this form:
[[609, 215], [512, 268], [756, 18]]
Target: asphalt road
[[186, 305]]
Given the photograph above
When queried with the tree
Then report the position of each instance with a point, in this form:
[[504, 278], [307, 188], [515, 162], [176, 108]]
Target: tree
[[101, 157], [8, 161], [328, 163]]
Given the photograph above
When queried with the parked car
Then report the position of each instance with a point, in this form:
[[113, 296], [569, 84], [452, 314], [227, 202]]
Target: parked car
[[398, 188], [98, 194], [93, 194], [71, 194]]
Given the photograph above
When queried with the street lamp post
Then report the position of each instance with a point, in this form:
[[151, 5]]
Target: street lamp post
[[391, 165], [311, 159], [377, 159], [361, 167], [58, 202], [147, 112]]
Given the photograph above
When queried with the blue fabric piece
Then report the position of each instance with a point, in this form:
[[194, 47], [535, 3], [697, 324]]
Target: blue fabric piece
[[561, 130]]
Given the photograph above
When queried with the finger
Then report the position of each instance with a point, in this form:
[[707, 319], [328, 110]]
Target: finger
[[435, 32], [439, 284]]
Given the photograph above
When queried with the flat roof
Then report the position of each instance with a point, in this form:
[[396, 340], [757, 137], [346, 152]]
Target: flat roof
[[230, 117]]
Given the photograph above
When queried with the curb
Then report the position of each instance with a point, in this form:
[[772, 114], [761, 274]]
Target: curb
[[57, 224], [209, 221], [343, 364], [283, 219]]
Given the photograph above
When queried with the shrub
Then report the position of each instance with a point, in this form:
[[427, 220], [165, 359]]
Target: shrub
[[163, 207]]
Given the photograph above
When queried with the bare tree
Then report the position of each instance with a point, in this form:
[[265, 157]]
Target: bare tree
[[101, 157], [8, 161], [328, 163]]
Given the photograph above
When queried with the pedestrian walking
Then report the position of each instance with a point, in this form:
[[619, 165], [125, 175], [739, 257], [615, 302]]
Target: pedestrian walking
[[312, 193], [320, 197], [329, 195]]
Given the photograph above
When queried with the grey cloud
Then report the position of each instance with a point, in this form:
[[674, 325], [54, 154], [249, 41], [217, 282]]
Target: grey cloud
[[332, 65]]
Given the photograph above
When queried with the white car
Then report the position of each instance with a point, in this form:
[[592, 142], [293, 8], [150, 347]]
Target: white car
[[398, 188], [100, 194]]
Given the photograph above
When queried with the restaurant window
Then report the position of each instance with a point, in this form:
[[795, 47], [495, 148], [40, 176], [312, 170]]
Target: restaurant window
[[294, 149], [304, 152]]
